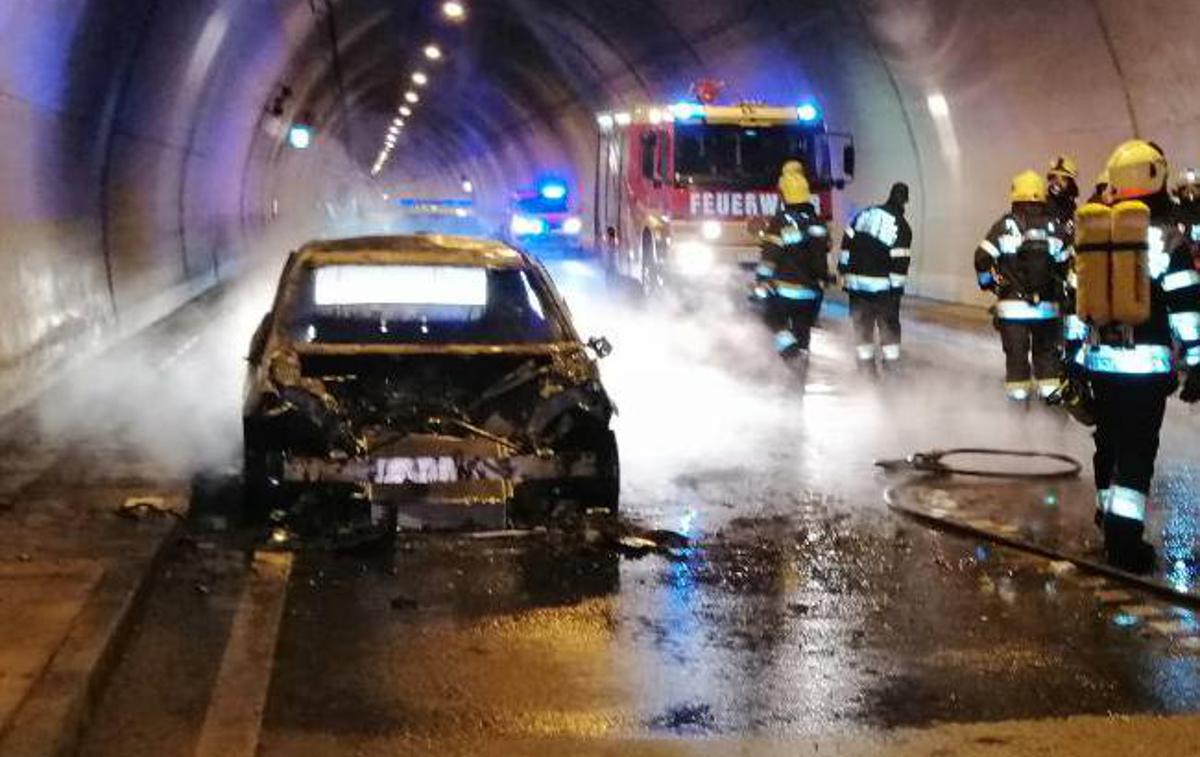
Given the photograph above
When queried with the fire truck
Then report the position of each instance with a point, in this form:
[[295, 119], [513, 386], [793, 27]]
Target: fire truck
[[683, 191]]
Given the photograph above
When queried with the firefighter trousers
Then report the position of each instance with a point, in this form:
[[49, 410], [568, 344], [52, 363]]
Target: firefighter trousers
[[1032, 341], [1129, 415], [792, 321], [871, 311]]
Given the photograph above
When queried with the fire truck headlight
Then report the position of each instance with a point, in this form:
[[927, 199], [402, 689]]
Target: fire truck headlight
[[527, 226], [572, 225], [711, 230], [694, 258]]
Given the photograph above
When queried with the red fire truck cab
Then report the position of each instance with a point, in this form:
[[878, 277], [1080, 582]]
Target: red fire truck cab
[[682, 191]]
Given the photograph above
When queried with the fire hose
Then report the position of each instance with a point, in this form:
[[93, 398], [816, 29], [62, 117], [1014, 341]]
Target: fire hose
[[933, 462]]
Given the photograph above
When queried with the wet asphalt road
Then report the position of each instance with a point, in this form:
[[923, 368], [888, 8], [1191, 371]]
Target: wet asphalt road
[[801, 607]]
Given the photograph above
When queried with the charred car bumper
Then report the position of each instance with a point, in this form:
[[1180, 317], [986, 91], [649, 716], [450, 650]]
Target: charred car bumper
[[438, 481]]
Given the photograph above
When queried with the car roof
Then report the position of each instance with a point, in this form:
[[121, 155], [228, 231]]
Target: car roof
[[415, 249]]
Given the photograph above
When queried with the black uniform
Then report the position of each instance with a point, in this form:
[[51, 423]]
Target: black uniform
[[874, 265], [1188, 214], [792, 274], [1132, 372], [1023, 260]]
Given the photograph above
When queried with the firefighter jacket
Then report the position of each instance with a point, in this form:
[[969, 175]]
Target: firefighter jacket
[[1188, 214], [795, 250], [1023, 260], [875, 251], [1061, 207], [1174, 324]]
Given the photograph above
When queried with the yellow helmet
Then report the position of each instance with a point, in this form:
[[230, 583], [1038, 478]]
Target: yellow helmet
[[1137, 169], [1028, 186], [792, 184], [1064, 165]]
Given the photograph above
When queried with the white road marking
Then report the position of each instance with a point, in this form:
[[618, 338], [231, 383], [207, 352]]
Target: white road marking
[[234, 717], [183, 349]]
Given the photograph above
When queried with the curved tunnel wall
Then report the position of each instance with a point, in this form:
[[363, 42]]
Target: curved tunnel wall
[[136, 152]]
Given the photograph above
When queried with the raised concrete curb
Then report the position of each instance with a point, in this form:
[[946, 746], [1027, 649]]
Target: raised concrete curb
[[54, 713]]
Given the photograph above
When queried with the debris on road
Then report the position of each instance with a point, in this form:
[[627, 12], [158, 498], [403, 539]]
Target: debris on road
[[510, 533], [401, 602], [140, 508]]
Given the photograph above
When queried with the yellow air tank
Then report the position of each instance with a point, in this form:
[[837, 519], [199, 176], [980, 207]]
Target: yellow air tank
[[1093, 245], [1130, 263], [1112, 263]]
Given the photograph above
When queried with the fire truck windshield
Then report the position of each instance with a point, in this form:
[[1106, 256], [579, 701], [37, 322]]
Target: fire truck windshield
[[740, 157]]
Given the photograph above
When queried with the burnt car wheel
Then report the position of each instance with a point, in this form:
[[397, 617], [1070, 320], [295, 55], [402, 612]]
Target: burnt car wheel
[[257, 492], [604, 491], [539, 502]]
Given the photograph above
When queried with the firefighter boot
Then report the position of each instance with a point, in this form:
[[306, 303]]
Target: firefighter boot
[[865, 354], [1124, 547], [797, 362]]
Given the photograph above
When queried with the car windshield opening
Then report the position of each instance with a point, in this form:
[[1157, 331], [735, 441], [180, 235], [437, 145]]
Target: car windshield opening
[[422, 304], [737, 156]]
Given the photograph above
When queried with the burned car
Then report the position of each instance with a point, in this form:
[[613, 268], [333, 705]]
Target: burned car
[[425, 381]]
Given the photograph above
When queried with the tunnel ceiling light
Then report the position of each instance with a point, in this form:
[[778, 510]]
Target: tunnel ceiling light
[[419, 78], [433, 52], [398, 122], [393, 130], [938, 105], [412, 97], [454, 11], [300, 136], [405, 111]]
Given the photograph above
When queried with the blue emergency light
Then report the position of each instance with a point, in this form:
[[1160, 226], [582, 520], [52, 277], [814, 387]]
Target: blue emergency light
[[684, 111], [553, 190], [808, 112]]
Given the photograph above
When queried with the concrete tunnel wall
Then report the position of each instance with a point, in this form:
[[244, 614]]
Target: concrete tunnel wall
[[136, 155]]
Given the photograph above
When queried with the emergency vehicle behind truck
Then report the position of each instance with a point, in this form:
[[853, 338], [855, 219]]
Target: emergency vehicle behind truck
[[683, 191]]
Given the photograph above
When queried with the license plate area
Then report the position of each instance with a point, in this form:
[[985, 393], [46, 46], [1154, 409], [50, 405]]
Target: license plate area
[[398, 471]]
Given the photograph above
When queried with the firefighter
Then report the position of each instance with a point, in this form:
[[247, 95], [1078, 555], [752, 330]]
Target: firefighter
[[874, 267], [1023, 260], [1141, 296], [1062, 192], [1187, 195], [794, 266]]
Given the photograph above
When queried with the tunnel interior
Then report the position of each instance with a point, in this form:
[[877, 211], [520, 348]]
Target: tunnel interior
[[146, 151]]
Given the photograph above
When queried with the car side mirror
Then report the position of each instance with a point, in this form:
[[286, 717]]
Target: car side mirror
[[848, 160], [600, 346]]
